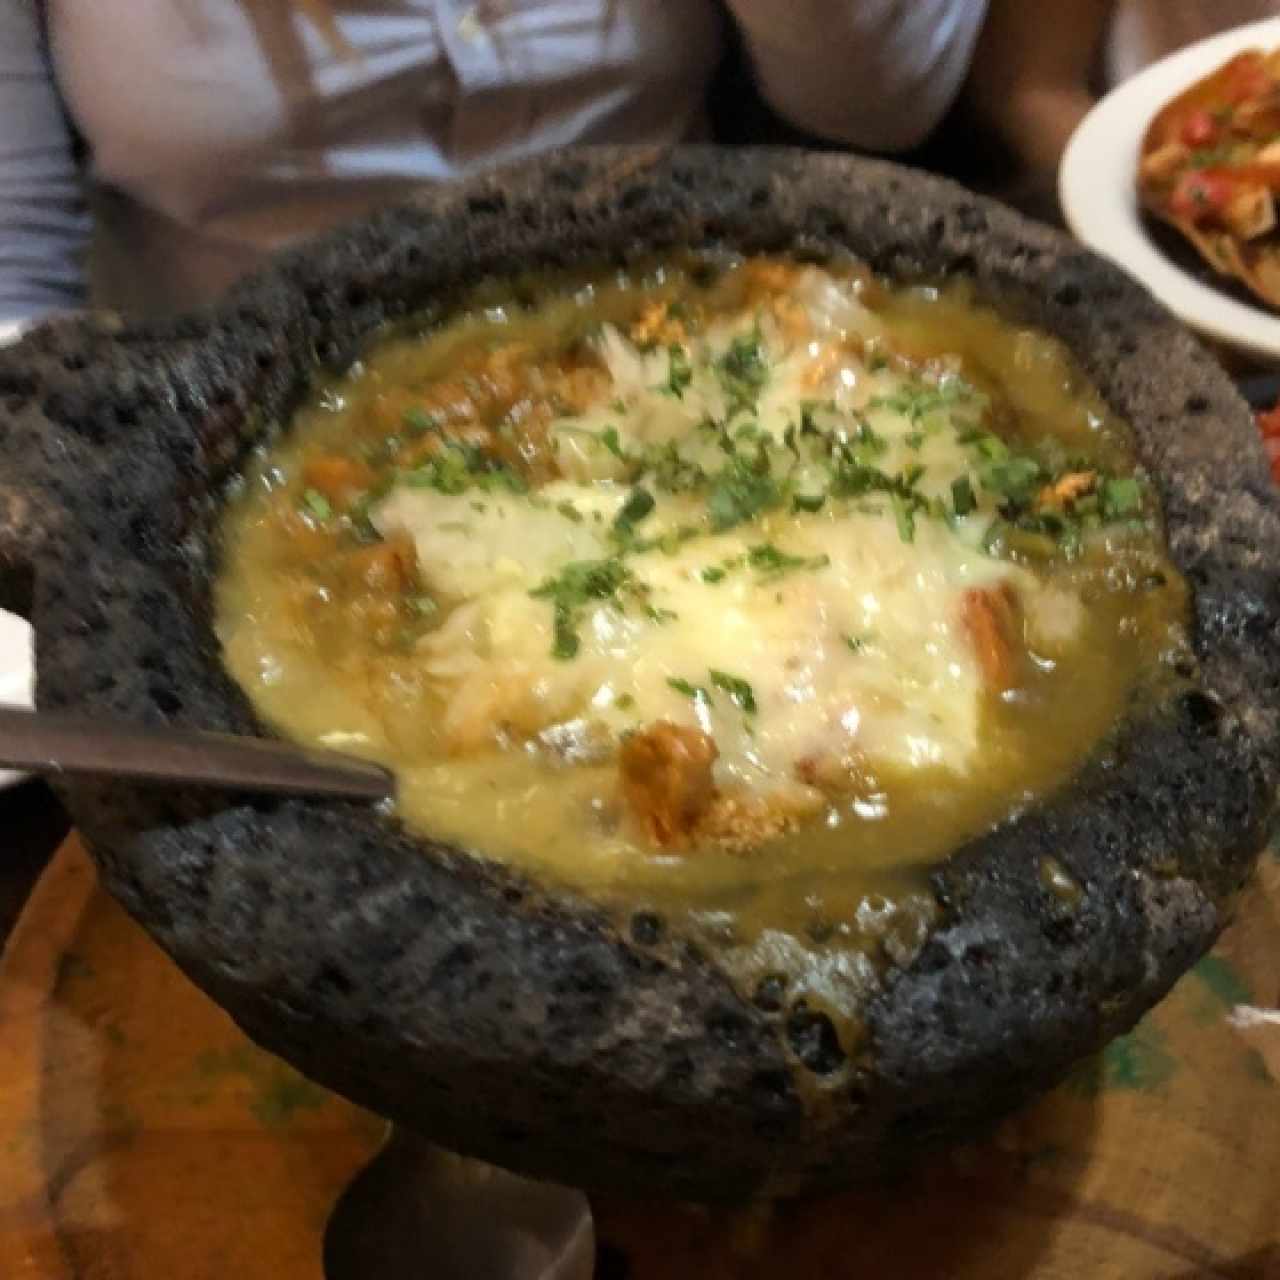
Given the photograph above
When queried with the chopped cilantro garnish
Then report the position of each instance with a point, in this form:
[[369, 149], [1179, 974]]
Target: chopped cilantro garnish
[[681, 371], [670, 471], [1208, 157], [988, 445], [724, 441], [457, 468], [566, 643], [743, 371], [694, 691], [905, 517], [739, 691], [574, 587], [419, 421], [316, 504], [660, 616], [856, 643], [424, 606], [609, 438], [867, 443], [639, 504], [809, 419], [361, 509], [915, 400], [854, 480], [742, 491], [807, 501], [674, 539], [1070, 540], [1015, 477], [624, 702], [765, 558], [713, 573], [1120, 496], [569, 511], [962, 499]]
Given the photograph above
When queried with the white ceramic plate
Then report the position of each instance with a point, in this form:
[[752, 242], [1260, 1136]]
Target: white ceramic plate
[[17, 647], [1096, 187]]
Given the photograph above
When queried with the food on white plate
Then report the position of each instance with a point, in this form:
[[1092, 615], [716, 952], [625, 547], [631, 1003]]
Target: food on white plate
[[1210, 168]]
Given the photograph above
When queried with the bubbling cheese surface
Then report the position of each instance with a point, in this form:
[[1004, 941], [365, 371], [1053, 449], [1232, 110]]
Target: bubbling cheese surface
[[847, 629], [860, 647], [727, 590]]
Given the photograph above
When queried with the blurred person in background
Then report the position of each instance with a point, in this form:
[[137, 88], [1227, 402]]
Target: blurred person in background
[[1037, 72], [188, 138]]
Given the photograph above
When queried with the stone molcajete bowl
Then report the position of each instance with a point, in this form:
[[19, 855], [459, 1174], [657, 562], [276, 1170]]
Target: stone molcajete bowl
[[529, 1029]]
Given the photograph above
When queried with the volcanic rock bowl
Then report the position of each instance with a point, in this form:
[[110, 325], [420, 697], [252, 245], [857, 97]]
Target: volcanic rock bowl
[[528, 1028]]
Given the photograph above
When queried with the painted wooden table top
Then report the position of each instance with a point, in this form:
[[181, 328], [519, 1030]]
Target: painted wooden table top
[[143, 1136]]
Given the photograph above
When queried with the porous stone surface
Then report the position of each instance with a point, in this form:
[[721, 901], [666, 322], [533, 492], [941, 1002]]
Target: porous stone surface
[[526, 1027]]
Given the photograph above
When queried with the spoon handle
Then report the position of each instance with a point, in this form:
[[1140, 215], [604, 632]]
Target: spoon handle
[[44, 742]]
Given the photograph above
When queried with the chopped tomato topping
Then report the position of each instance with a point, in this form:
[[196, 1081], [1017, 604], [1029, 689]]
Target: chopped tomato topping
[[1199, 129], [1269, 425], [1272, 445], [1269, 422], [1199, 194]]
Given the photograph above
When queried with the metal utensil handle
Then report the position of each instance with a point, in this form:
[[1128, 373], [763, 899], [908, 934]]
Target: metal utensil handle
[[61, 744]]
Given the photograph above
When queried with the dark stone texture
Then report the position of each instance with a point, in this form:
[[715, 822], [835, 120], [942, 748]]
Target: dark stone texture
[[526, 1028]]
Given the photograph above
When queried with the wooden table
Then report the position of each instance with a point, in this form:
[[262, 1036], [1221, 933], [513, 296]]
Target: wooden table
[[143, 1136]]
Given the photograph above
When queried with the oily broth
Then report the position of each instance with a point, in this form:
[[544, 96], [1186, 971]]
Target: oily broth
[[851, 884]]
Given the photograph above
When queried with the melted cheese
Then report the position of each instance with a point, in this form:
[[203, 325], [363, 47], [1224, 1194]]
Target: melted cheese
[[866, 656], [860, 659], [473, 545]]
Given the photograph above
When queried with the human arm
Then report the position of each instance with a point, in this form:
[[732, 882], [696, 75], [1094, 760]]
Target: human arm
[[875, 74], [1031, 86], [43, 224]]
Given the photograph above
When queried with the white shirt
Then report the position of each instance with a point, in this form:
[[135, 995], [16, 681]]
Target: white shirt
[[219, 130]]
